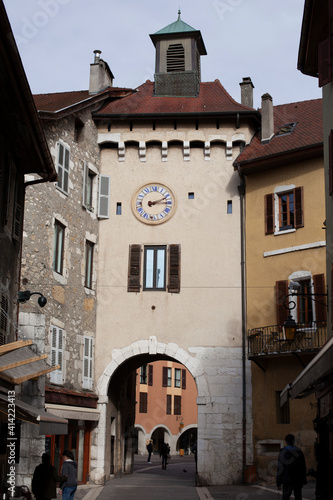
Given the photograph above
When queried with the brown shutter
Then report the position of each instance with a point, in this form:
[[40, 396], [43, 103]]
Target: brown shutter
[[281, 288], [269, 213], [320, 302], [164, 376], [324, 62], [298, 196], [168, 404], [183, 379], [134, 267], [330, 163], [150, 374], [143, 402], [174, 269], [177, 405]]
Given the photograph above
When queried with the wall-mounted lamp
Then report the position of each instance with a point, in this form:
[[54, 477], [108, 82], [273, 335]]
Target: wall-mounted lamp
[[25, 295]]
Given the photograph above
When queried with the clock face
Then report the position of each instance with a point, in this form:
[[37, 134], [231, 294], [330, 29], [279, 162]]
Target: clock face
[[153, 203]]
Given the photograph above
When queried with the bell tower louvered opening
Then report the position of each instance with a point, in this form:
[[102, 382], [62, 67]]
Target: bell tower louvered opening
[[175, 58]]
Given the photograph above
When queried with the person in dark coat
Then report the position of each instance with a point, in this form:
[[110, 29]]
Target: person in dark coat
[[291, 470], [165, 453], [150, 450], [69, 469], [45, 479]]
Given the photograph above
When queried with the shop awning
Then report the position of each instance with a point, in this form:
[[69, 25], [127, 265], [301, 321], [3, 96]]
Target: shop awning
[[48, 423], [73, 412], [19, 363], [319, 371]]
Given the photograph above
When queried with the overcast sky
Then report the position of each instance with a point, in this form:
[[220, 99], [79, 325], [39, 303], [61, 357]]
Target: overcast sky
[[255, 38]]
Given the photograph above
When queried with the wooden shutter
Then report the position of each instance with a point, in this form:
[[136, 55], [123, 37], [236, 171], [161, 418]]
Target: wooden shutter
[[324, 62], [56, 354], [269, 213], [134, 269], [164, 376], [150, 374], [183, 379], [298, 196], [143, 405], [330, 163], [85, 184], [66, 170], [320, 302], [3, 319], [177, 405], [168, 404], [174, 269], [281, 288], [87, 363], [18, 211], [104, 196]]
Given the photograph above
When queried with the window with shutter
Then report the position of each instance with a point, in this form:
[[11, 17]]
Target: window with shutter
[[104, 197], [154, 268], [177, 377], [87, 363], [63, 167], [175, 57], [284, 210], [57, 354], [281, 292], [89, 264], [143, 374], [134, 269]]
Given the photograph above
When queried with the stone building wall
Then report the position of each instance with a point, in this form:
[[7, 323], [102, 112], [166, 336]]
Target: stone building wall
[[70, 306]]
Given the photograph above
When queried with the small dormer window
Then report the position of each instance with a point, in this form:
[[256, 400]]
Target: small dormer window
[[175, 58], [286, 129]]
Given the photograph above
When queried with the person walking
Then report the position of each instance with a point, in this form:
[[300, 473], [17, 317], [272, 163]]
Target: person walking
[[291, 470], [150, 450], [45, 479], [69, 469], [165, 453]]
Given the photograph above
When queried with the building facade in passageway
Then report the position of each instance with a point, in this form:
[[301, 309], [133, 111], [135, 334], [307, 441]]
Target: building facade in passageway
[[170, 255], [165, 408]]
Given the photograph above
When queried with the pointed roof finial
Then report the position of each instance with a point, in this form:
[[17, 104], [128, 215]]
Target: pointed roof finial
[[179, 12]]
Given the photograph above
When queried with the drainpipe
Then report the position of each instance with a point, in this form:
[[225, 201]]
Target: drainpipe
[[241, 191]]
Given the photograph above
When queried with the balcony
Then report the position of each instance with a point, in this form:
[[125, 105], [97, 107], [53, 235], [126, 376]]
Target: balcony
[[271, 340]]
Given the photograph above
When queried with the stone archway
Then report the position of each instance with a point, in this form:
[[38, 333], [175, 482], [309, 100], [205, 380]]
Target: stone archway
[[135, 351]]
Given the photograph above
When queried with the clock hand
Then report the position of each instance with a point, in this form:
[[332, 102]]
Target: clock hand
[[151, 203]]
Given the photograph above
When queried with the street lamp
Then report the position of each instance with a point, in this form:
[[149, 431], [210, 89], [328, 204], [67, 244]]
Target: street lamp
[[23, 296], [290, 325]]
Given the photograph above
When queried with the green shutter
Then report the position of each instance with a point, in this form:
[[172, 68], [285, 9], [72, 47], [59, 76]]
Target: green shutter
[[174, 269], [134, 269]]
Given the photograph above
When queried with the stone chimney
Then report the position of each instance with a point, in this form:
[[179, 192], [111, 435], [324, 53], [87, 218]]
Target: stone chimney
[[247, 92], [267, 118], [101, 76]]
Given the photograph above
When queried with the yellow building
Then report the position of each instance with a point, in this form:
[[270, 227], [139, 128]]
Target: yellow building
[[283, 171]]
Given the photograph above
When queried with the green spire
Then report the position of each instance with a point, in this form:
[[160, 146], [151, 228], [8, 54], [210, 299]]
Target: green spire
[[177, 27]]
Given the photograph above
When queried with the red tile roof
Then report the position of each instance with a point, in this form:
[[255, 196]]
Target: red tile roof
[[213, 98], [56, 102], [308, 133]]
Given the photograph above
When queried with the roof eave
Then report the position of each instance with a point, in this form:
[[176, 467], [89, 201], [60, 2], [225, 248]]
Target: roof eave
[[275, 160]]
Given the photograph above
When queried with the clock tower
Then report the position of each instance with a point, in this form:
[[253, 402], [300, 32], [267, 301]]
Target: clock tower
[[177, 67]]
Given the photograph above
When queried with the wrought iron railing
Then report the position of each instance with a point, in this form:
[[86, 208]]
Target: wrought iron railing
[[269, 340]]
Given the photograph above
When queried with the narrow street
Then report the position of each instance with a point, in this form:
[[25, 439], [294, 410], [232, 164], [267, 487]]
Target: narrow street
[[150, 482]]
